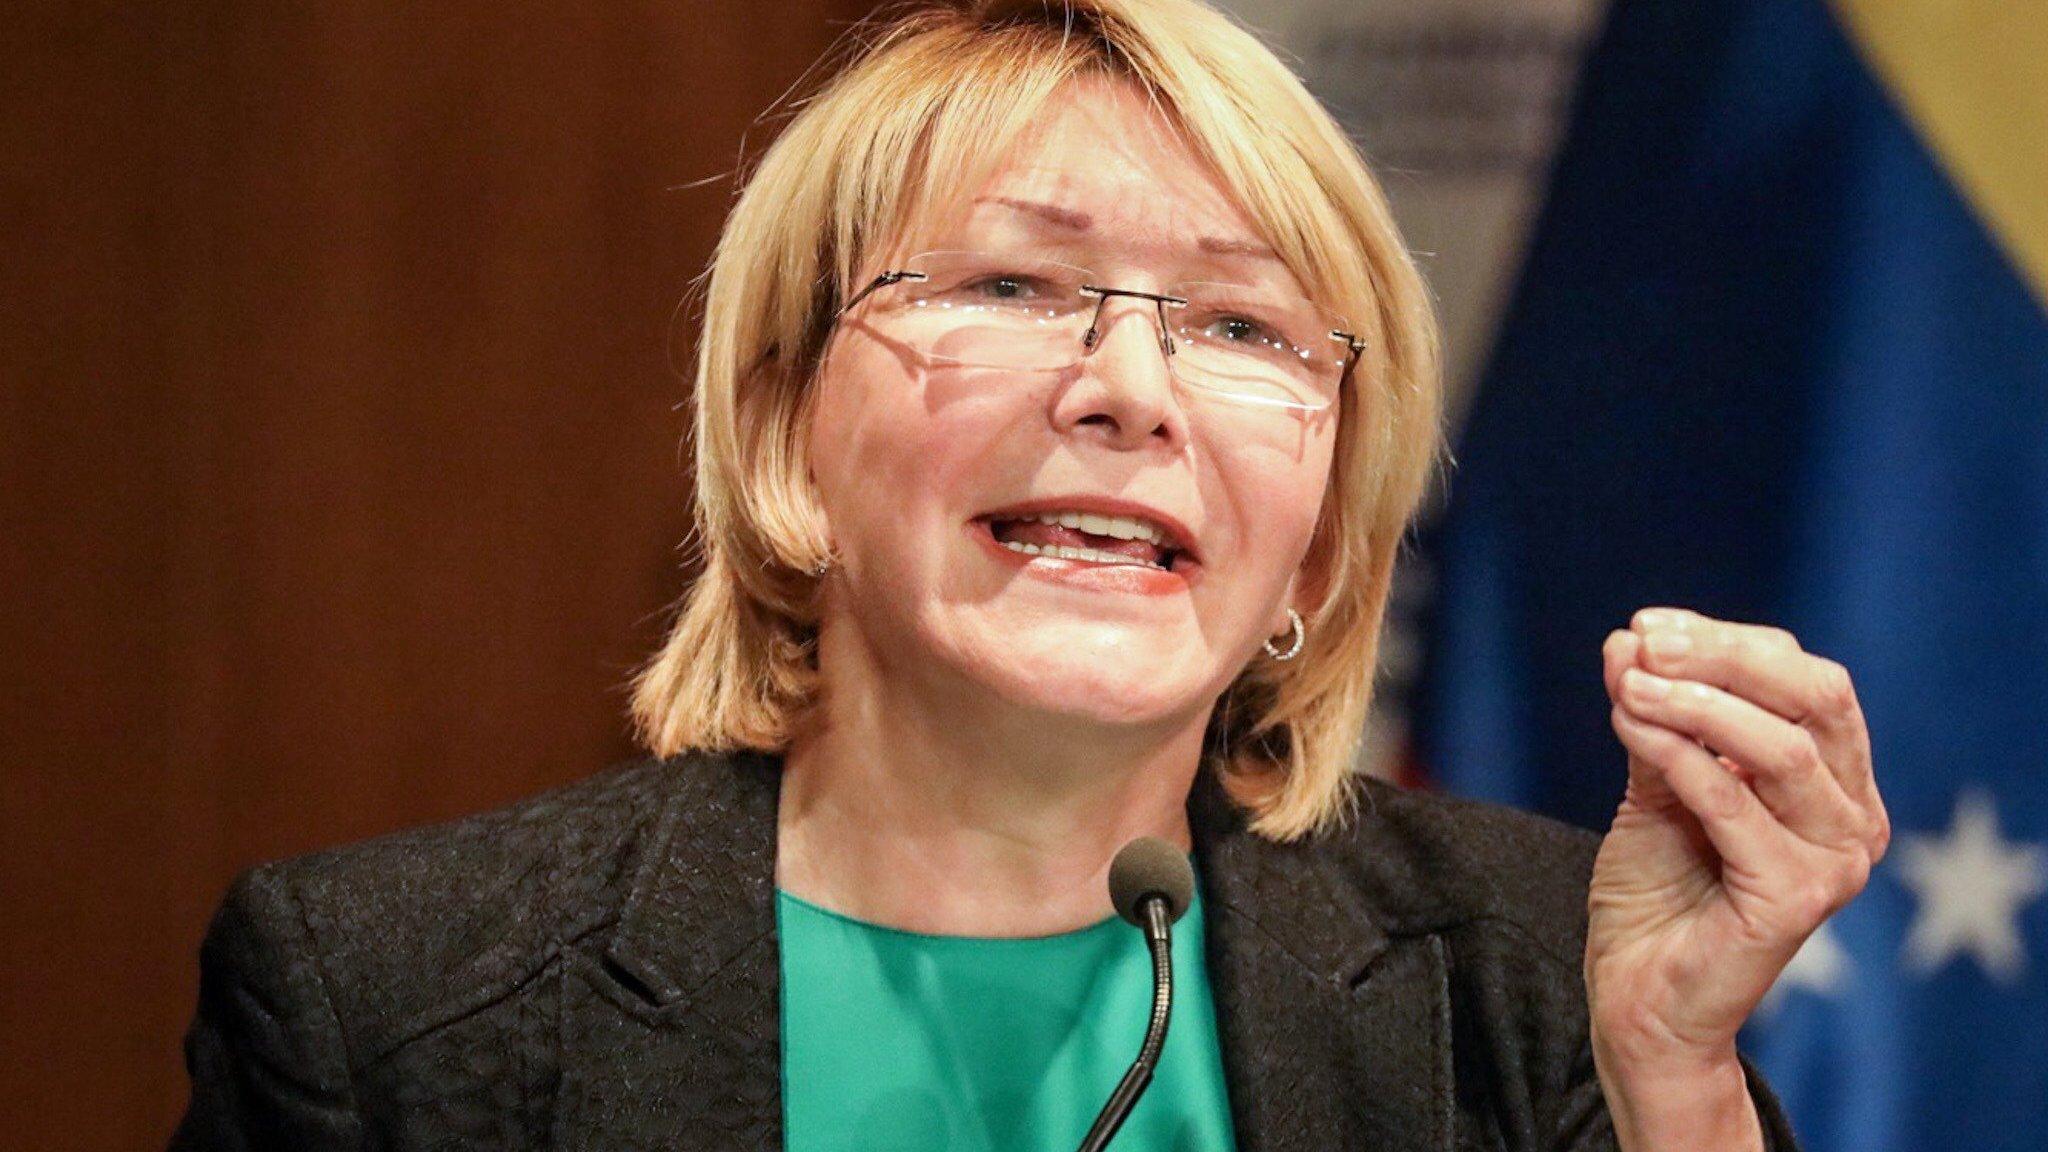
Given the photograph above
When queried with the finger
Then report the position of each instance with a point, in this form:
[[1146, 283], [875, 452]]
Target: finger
[[1778, 885], [1762, 663], [1735, 821], [1621, 651], [1784, 761], [1752, 660], [1767, 666]]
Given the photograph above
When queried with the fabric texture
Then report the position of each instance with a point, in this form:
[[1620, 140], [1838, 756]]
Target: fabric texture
[[598, 968], [921, 1043]]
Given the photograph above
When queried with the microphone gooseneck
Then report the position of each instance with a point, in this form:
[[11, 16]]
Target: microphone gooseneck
[[1151, 885]]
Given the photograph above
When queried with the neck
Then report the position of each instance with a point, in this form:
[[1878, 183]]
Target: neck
[[935, 808]]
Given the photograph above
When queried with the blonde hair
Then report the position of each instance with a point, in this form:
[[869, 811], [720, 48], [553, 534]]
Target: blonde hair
[[930, 100]]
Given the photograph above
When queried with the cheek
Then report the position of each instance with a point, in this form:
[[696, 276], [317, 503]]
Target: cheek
[[1274, 489], [895, 456]]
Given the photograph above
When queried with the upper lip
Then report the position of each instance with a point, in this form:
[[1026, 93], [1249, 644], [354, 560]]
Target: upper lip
[[1178, 537]]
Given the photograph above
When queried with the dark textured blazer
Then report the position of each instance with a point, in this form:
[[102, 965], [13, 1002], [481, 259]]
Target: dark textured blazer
[[597, 968]]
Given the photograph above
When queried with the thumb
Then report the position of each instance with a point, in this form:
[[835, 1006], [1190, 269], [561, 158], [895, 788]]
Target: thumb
[[1623, 650]]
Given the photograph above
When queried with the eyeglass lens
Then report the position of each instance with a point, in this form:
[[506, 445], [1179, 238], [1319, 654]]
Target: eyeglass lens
[[1028, 313]]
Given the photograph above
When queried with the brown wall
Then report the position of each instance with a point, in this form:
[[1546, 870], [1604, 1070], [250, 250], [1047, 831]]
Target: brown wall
[[339, 475]]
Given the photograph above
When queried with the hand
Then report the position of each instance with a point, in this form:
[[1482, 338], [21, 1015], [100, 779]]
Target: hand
[[1751, 815]]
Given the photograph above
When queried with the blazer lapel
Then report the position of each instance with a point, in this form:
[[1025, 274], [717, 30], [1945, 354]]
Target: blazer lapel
[[1334, 1034], [670, 1027]]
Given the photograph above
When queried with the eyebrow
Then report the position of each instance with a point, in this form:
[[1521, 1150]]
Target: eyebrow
[[1074, 221]]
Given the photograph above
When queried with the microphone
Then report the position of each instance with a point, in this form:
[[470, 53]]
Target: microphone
[[1151, 885]]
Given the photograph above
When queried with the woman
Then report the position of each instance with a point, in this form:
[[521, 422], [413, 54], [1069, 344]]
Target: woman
[[1063, 395]]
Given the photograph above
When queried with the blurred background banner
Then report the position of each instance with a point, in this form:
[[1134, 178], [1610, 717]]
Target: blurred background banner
[[1458, 106], [1778, 352]]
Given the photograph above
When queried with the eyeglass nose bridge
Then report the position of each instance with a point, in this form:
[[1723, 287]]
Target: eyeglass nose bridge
[[1160, 302]]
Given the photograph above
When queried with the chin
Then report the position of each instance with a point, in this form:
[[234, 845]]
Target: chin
[[1120, 689]]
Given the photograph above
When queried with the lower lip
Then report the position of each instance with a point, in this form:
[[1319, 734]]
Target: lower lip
[[1142, 579]]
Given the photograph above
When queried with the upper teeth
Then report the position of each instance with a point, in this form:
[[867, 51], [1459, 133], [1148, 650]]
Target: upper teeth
[[1116, 527]]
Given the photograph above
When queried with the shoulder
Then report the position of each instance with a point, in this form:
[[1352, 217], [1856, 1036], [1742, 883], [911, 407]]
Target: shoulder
[[1427, 863], [395, 931]]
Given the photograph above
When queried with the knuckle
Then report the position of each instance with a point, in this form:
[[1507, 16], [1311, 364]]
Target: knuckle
[[1694, 698], [1762, 642], [1800, 757], [1814, 900], [1855, 874], [1834, 690], [1776, 639], [1727, 798], [1836, 885], [1719, 645]]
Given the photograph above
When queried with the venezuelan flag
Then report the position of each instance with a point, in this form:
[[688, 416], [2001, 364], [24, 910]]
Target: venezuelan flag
[[1779, 352]]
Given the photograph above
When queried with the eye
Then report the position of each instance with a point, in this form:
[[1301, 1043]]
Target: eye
[[1003, 286], [1245, 330]]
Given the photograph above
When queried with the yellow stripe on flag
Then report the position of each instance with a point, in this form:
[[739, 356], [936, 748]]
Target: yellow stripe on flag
[[1972, 75]]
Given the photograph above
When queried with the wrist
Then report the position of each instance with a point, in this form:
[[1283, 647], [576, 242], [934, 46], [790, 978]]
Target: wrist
[[1664, 1100]]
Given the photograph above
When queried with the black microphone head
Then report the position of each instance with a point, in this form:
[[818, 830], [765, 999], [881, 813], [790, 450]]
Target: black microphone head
[[1149, 866]]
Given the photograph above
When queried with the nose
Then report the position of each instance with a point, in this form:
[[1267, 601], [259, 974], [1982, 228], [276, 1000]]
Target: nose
[[1123, 394]]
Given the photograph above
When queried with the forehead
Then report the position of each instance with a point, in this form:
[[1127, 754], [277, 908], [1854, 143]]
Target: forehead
[[1101, 142], [1102, 167]]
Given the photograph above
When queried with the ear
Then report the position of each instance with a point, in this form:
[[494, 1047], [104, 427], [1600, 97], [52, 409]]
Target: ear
[[1309, 586], [819, 522], [1279, 625], [804, 435]]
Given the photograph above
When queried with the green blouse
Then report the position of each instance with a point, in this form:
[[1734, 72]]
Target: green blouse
[[901, 1041]]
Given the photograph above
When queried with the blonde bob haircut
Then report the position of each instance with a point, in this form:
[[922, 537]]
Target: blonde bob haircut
[[926, 105]]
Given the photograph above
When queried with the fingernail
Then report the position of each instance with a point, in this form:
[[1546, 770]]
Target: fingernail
[[1655, 618], [1668, 643], [1644, 686]]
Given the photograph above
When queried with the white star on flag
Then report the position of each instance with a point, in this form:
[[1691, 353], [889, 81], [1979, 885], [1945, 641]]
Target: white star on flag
[[1820, 966], [1970, 884]]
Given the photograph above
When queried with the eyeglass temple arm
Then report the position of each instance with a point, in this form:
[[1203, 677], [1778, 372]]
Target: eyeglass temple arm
[[878, 283], [1355, 347]]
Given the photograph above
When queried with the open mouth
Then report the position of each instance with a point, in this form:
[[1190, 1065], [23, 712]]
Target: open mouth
[[1089, 538]]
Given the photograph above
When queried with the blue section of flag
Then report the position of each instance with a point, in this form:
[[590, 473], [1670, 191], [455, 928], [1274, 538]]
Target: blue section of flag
[[1765, 362]]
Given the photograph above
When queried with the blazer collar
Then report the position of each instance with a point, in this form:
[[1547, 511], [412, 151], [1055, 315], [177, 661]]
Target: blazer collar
[[1297, 894], [670, 1028], [1335, 1034], [704, 890], [1326, 1022]]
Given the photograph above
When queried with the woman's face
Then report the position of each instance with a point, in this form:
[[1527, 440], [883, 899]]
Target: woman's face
[[926, 469]]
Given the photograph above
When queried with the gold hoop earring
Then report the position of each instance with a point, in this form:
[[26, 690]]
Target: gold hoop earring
[[1300, 637]]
